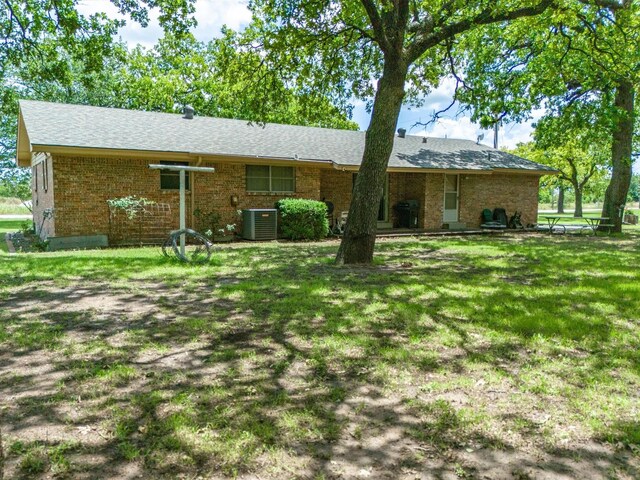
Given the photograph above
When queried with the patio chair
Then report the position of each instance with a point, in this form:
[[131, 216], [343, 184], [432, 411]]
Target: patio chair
[[500, 215], [489, 222]]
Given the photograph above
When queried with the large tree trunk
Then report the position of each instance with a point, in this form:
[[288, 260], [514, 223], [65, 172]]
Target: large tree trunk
[[560, 199], [616, 195], [577, 212], [360, 233]]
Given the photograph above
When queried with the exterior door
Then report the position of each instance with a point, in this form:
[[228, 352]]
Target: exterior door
[[451, 197]]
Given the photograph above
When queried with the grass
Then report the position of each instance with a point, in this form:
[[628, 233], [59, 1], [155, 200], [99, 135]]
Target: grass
[[465, 354], [7, 226], [12, 206]]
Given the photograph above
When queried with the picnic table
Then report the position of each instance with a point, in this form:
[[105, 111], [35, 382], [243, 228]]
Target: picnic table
[[592, 223]]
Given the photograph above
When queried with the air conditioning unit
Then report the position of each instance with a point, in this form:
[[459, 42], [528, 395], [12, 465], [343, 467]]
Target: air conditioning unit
[[259, 224]]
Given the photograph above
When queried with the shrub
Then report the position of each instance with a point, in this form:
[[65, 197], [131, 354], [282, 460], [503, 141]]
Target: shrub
[[130, 205], [303, 219]]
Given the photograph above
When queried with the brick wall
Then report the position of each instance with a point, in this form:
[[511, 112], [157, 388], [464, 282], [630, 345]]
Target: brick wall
[[83, 186], [433, 201], [42, 191], [509, 191], [336, 187], [213, 191]]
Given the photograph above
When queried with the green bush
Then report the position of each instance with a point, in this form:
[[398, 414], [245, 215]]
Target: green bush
[[303, 219]]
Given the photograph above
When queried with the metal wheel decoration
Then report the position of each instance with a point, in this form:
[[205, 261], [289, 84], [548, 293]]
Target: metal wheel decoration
[[167, 247], [197, 248]]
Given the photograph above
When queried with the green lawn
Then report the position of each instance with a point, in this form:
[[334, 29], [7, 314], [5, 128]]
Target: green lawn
[[5, 227], [466, 357]]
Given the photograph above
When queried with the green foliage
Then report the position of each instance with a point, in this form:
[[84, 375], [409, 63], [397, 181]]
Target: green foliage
[[576, 162], [27, 26], [569, 61], [27, 227], [208, 224], [634, 189], [303, 219], [206, 221], [580, 155], [130, 205], [14, 182], [217, 80]]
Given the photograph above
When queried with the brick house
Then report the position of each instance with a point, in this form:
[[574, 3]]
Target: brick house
[[81, 156]]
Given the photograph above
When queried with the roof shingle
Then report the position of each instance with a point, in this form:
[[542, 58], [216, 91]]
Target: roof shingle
[[64, 125]]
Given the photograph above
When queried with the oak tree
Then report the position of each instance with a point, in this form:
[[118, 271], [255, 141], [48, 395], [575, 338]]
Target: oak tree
[[386, 51], [583, 67]]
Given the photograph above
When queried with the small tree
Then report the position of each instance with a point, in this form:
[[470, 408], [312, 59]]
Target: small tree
[[579, 157], [634, 189]]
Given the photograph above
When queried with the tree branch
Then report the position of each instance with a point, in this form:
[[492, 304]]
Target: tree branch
[[377, 25], [487, 16]]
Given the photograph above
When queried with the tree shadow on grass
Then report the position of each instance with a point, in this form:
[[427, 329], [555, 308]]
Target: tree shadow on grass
[[285, 368]]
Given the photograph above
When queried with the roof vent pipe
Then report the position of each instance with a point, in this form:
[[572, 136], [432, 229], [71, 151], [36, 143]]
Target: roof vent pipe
[[188, 112], [424, 139], [402, 132]]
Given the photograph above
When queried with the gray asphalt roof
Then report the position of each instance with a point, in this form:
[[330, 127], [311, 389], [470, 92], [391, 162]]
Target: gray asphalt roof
[[110, 128]]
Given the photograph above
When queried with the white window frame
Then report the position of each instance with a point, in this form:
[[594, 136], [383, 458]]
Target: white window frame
[[271, 190]]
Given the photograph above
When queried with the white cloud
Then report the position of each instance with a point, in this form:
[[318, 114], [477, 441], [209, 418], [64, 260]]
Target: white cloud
[[210, 14], [213, 14]]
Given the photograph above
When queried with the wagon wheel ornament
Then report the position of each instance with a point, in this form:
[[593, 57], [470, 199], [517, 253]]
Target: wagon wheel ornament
[[197, 248]]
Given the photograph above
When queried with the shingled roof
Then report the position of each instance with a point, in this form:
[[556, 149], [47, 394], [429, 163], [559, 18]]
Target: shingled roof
[[49, 126]]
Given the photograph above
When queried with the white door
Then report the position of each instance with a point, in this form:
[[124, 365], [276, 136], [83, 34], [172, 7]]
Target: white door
[[451, 185]]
